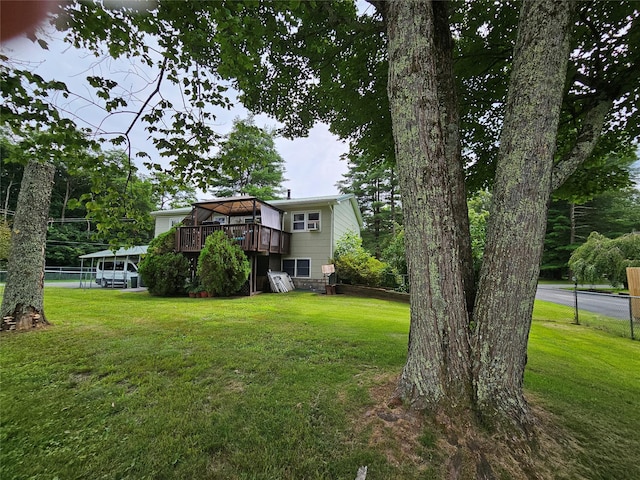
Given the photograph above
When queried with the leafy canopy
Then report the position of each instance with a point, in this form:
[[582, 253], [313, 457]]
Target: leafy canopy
[[602, 258]]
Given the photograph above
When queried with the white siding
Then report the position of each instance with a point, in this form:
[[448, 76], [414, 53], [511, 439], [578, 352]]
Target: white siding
[[167, 219]]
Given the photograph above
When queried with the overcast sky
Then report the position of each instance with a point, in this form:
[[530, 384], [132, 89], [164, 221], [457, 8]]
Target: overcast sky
[[313, 164]]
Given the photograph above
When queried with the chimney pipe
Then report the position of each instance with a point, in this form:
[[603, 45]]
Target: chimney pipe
[[288, 194]]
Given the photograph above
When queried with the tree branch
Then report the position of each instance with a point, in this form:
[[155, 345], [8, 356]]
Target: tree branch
[[151, 95], [592, 126]]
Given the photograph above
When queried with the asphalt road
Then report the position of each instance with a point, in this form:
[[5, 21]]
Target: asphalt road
[[616, 306]]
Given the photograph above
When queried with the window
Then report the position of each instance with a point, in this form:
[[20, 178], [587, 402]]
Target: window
[[297, 267], [298, 222], [306, 222]]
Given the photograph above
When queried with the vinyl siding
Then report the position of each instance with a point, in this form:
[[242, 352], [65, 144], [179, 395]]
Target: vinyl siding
[[344, 220], [164, 224], [312, 245]]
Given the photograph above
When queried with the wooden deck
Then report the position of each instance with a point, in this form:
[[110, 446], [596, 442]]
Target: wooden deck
[[251, 237]]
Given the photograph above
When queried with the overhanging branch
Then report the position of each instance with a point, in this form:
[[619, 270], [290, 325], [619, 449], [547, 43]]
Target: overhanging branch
[[591, 131]]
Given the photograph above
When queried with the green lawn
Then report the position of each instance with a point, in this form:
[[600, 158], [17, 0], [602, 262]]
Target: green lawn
[[128, 386]]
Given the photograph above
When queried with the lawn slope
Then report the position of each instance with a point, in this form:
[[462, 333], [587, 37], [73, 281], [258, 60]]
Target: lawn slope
[[125, 385]]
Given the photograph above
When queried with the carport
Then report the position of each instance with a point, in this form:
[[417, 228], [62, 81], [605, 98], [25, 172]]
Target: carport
[[87, 272]]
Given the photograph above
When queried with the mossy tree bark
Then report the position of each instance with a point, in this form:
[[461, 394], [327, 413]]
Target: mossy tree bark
[[447, 368], [517, 225], [23, 300], [437, 373]]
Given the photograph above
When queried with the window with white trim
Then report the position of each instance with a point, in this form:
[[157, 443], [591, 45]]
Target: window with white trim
[[297, 267], [305, 222]]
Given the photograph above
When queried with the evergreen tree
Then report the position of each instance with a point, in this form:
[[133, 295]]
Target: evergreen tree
[[376, 188], [247, 164]]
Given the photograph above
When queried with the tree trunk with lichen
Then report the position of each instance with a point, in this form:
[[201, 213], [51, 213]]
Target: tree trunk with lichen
[[517, 225], [23, 300], [465, 355], [437, 373]]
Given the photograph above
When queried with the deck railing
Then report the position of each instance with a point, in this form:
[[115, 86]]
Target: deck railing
[[251, 237]]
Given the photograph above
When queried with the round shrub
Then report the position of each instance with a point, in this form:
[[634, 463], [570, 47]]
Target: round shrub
[[356, 266], [222, 266], [165, 274]]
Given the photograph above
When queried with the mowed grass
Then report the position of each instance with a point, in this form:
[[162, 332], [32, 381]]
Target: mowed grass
[[125, 385]]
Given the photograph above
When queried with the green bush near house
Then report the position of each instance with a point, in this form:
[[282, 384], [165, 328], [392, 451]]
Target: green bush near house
[[222, 266], [164, 271], [356, 266]]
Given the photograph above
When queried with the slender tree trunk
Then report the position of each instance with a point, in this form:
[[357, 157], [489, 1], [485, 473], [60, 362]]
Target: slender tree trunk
[[65, 201], [392, 180], [6, 200], [22, 303], [572, 219], [517, 225], [437, 371]]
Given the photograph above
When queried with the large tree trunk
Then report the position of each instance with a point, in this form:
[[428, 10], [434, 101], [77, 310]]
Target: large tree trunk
[[437, 371], [23, 303], [448, 98], [516, 229]]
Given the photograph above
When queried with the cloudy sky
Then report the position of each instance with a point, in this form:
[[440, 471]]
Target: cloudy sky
[[313, 164]]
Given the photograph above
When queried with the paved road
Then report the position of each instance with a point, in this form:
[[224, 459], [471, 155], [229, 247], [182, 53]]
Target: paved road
[[616, 306]]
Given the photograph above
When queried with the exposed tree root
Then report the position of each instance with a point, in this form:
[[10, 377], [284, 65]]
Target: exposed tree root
[[457, 448]]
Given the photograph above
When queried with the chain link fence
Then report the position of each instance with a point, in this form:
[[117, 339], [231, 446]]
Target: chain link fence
[[616, 314], [62, 275]]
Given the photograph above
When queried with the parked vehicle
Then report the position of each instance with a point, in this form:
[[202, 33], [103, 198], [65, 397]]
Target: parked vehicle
[[119, 273]]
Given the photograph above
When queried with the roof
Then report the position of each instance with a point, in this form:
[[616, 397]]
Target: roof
[[280, 205], [232, 206], [172, 212], [325, 200], [122, 252]]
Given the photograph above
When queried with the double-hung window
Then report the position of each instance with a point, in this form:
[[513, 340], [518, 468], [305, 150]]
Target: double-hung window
[[297, 267]]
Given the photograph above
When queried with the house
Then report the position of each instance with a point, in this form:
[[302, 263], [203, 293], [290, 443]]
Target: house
[[296, 236]]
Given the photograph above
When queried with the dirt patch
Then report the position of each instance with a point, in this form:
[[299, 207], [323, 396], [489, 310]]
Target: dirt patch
[[459, 450]]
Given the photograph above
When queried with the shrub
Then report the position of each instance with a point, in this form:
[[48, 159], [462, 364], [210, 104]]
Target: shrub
[[356, 266], [165, 274], [164, 271], [394, 254], [164, 243], [222, 266]]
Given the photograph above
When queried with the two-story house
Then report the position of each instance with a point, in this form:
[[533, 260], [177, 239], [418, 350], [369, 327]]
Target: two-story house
[[296, 236]]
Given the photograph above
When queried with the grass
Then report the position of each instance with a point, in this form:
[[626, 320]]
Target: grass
[[590, 381], [126, 385]]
